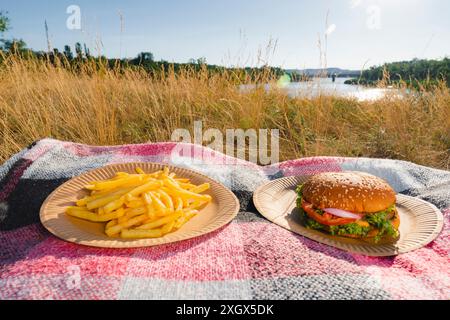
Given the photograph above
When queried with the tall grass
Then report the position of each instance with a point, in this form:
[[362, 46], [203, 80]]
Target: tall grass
[[102, 106]]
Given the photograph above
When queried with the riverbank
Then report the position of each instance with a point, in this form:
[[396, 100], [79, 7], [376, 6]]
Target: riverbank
[[104, 107]]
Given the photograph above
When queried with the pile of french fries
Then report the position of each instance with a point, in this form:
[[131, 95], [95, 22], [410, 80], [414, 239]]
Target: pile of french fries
[[141, 205]]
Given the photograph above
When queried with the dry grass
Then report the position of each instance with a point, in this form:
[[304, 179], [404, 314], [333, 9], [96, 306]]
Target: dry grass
[[103, 108]]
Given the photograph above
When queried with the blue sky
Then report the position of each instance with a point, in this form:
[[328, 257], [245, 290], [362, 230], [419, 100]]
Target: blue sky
[[230, 32]]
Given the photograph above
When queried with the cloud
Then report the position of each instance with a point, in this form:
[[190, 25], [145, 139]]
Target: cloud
[[330, 29]]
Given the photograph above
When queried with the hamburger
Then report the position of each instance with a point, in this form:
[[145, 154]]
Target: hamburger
[[349, 204]]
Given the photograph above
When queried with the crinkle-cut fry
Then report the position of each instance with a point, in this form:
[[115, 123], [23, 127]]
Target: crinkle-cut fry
[[118, 176], [168, 227], [135, 204], [87, 215], [200, 188], [151, 185], [166, 199], [179, 222], [137, 234], [147, 198], [95, 195], [122, 219], [197, 204], [101, 202], [187, 202], [178, 203], [114, 230], [173, 180], [170, 189], [111, 223], [154, 175], [159, 206], [177, 191], [139, 170], [129, 197], [119, 190], [159, 222], [117, 183], [122, 174], [172, 175], [76, 208], [114, 205], [132, 212], [151, 214], [193, 195], [187, 186], [99, 195], [187, 215], [82, 202]]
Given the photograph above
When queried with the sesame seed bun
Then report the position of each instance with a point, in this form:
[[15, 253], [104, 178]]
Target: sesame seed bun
[[353, 191]]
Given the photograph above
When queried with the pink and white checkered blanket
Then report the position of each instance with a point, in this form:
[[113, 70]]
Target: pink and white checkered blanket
[[250, 258]]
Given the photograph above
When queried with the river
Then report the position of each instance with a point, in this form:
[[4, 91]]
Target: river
[[326, 86]]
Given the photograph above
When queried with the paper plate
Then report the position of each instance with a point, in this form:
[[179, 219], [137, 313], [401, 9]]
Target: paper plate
[[218, 213], [420, 221]]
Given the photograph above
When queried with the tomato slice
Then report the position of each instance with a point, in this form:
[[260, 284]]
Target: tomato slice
[[326, 218]]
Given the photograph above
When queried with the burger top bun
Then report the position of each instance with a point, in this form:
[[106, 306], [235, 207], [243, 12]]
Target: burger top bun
[[353, 191]]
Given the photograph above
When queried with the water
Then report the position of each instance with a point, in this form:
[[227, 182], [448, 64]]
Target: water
[[326, 86]]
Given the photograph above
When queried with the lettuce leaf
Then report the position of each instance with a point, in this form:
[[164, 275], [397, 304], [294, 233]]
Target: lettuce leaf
[[299, 191], [350, 228], [380, 221]]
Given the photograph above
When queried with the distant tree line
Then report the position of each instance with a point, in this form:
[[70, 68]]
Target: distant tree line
[[417, 72], [79, 56]]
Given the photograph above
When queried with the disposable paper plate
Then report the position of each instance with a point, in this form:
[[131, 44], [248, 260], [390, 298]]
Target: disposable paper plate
[[219, 212], [420, 221]]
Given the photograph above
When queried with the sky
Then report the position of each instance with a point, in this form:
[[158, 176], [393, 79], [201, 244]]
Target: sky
[[284, 33]]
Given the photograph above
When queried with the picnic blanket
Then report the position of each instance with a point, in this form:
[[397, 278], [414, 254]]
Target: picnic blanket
[[250, 258]]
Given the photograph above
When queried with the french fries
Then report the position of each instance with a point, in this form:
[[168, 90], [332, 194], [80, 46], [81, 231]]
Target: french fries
[[141, 205]]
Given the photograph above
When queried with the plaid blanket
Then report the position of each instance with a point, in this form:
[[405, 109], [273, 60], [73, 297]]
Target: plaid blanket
[[250, 258]]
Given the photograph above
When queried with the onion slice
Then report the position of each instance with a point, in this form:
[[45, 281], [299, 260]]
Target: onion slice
[[342, 213]]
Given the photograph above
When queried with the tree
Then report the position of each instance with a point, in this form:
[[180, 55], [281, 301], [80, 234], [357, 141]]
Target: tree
[[68, 52], [87, 52], [14, 45], [78, 50], [412, 72], [145, 57], [201, 60], [4, 21]]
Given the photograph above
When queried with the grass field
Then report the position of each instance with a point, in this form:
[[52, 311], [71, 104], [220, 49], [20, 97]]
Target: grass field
[[105, 107]]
